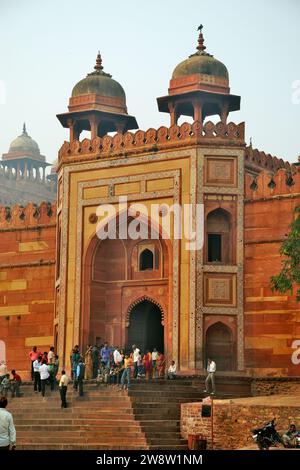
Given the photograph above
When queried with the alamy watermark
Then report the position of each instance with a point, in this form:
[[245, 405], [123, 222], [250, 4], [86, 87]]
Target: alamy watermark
[[137, 221], [2, 92], [296, 92], [296, 353]]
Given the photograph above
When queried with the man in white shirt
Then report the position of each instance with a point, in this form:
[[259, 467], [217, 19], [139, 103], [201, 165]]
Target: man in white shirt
[[117, 357], [44, 373], [63, 386], [7, 428], [210, 379], [51, 356], [136, 353], [172, 371], [154, 356], [36, 374]]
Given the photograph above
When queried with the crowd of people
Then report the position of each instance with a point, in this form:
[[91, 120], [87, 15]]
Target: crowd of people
[[106, 364], [110, 364]]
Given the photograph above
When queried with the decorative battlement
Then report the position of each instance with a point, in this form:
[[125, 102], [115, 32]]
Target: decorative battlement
[[153, 140], [266, 185], [255, 158], [27, 217]]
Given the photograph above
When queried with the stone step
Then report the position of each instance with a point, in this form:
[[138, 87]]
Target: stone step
[[166, 441], [168, 434], [167, 428], [56, 398], [168, 447], [100, 406], [157, 410], [78, 434], [124, 421], [106, 426], [78, 440], [74, 417], [141, 405], [163, 393], [82, 446]]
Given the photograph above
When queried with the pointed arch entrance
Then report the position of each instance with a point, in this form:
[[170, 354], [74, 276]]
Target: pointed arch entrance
[[114, 283], [145, 326], [220, 346]]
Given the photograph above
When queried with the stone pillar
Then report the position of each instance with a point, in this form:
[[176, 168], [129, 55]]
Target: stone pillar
[[224, 113], [44, 174], [18, 171], [173, 114], [197, 111], [120, 126], [94, 126], [73, 126], [25, 170]]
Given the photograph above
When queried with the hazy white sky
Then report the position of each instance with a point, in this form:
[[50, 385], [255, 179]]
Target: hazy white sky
[[46, 47]]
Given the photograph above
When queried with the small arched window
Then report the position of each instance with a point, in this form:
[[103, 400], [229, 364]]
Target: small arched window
[[146, 260]]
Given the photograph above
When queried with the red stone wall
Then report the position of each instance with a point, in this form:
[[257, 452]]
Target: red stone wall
[[272, 320], [27, 277], [233, 422]]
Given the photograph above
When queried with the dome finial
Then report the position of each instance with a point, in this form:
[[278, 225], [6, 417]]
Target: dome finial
[[201, 48], [24, 128], [98, 65]]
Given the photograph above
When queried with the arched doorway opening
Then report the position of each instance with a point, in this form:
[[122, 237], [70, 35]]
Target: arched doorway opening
[[145, 327], [220, 346]]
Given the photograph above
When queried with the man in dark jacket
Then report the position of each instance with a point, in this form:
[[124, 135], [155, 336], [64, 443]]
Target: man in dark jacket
[[79, 377], [95, 360]]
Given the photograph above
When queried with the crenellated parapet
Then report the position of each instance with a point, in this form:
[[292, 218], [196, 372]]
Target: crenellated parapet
[[267, 185], [256, 160], [29, 216], [153, 140]]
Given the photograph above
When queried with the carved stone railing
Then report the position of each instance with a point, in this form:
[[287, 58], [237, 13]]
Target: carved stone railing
[[29, 216], [152, 139]]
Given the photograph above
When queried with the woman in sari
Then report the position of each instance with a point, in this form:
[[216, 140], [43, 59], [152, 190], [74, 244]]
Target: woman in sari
[[160, 363], [147, 363], [88, 359]]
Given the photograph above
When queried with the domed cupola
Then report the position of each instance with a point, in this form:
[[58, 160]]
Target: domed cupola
[[24, 145], [101, 84], [23, 162], [199, 87], [98, 104]]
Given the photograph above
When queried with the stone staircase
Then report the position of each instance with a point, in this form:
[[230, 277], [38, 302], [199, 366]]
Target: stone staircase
[[156, 405], [105, 418], [102, 419]]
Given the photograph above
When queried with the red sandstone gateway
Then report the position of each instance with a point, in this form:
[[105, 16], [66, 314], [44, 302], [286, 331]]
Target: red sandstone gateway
[[62, 286]]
